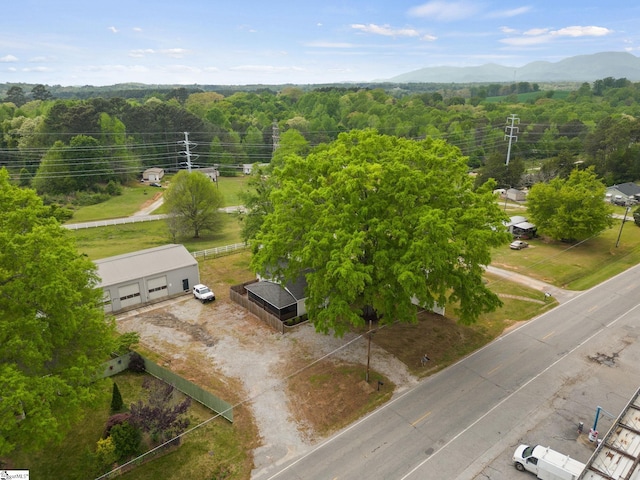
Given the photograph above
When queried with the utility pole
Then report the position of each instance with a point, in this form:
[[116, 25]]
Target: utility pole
[[511, 133], [368, 352], [276, 135], [626, 212], [187, 150]]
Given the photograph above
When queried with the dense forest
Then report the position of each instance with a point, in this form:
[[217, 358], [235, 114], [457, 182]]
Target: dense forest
[[66, 145]]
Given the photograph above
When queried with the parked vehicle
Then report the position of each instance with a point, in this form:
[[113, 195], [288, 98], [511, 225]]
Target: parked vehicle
[[547, 464], [203, 293], [518, 245]]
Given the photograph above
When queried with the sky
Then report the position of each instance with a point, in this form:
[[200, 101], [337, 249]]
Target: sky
[[187, 42]]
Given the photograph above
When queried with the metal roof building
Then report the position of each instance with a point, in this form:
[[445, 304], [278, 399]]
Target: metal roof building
[[146, 275], [618, 455]]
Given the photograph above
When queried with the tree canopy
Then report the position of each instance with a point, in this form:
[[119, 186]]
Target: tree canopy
[[193, 200], [572, 208], [376, 221], [53, 331]]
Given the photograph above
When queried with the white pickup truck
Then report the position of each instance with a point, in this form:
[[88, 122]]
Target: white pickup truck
[[547, 464], [203, 293]]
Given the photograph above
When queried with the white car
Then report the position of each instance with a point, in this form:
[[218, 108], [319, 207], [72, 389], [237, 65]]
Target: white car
[[518, 245], [203, 293]]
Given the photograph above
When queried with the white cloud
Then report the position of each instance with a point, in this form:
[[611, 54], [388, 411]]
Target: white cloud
[[37, 69], [537, 31], [429, 38], [174, 52], [141, 52], [41, 59], [137, 29], [576, 31], [386, 30], [514, 12], [113, 29], [8, 58], [537, 36], [508, 30], [444, 11]]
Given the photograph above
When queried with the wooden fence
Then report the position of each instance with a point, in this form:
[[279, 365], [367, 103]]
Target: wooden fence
[[238, 294]]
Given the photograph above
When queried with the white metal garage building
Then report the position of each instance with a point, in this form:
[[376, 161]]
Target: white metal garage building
[[146, 275]]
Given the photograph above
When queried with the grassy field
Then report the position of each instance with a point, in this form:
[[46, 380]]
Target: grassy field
[[135, 195], [579, 266], [102, 242]]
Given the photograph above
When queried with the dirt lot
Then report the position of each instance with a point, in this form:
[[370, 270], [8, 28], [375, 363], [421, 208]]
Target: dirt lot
[[297, 387]]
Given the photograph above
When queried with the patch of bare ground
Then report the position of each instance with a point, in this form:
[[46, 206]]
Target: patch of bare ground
[[289, 390]]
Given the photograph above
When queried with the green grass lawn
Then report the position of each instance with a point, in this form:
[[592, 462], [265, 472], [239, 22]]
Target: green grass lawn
[[231, 187], [575, 266], [132, 198], [135, 195], [102, 242]]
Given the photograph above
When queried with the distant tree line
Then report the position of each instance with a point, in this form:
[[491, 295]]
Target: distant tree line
[[111, 137]]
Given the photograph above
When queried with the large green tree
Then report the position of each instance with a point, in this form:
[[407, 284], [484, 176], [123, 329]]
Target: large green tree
[[256, 199], [53, 331], [377, 221], [572, 208], [77, 166], [193, 200]]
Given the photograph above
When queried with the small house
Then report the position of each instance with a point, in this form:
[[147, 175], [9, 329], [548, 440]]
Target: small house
[[153, 174], [519, 227], [211, 172], [623, 194], [247, 168], [516, 195]]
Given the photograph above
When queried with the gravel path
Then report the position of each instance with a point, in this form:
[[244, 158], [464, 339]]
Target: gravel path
[[239, 346]]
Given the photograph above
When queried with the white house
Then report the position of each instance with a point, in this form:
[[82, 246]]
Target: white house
[[153, 174]]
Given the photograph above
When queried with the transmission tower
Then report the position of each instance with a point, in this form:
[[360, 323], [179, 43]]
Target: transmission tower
[[187, 150], [511, 133], [276, 135]]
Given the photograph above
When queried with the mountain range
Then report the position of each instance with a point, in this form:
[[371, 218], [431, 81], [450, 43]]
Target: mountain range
[[581, 68]]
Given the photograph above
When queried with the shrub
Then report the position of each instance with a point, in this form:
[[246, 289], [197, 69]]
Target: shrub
[[113, 188], [136, 363], [116, 399], [106, 452], [126, 439], [162, 416], [117, 419]]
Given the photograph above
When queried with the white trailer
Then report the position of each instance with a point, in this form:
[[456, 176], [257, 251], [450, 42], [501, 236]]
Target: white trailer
[[547, 464]]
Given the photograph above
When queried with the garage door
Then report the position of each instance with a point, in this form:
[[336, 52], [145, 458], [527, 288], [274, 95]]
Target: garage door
[[129, 295], [157, 287]]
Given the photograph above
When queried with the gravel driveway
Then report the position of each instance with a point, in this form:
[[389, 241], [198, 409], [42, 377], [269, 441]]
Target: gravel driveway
[[240, 346]]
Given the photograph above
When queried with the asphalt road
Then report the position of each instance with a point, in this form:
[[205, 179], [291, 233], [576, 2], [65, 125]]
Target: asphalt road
[[531, 385]]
